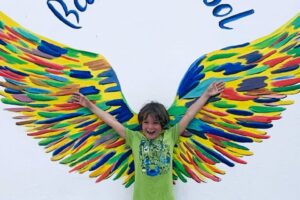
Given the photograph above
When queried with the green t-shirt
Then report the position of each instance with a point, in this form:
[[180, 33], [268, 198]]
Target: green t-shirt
[[153, 164]]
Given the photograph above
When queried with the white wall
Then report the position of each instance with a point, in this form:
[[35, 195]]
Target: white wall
[[158, 37]]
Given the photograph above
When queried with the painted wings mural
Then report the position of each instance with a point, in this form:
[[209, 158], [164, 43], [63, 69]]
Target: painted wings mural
[[39, 76]]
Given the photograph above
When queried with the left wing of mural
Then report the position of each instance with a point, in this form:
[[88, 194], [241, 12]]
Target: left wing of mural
[[39, 76]]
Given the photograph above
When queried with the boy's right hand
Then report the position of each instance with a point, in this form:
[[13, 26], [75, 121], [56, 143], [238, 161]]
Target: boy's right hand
[[215, 88]]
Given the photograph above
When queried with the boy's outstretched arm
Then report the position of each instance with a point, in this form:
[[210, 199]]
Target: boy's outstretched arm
[[105, 116], [213, 89]]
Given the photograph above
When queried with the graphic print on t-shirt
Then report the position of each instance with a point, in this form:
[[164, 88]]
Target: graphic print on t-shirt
[[155, 157]]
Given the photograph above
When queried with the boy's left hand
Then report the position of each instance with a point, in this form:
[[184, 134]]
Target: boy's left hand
[[215, 88]]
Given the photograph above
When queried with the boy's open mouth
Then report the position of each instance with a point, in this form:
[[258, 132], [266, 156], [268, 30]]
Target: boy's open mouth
[[150, 132]]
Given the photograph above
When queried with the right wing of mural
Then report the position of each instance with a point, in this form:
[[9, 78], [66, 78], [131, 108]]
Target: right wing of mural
[[40, 76], [258, 76]]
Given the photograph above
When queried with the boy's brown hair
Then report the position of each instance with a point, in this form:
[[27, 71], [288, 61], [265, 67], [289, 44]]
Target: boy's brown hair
[[157, 111]]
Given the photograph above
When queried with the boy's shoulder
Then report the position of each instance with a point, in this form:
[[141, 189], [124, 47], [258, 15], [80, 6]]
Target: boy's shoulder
[[173, 128], [133, 133]]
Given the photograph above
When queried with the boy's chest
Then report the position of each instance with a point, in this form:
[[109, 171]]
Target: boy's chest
[[153, 157]]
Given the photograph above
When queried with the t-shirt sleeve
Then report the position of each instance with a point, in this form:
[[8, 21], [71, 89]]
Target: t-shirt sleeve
[[175, 133], [129, 136]]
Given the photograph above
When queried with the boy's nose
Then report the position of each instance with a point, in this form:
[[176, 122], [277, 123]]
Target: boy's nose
[[151, 126]]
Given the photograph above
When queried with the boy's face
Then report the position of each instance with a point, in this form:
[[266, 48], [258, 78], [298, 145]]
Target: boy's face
[[151, 127]]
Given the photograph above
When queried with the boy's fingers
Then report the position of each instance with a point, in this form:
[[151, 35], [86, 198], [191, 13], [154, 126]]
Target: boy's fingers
[[220, 84], [216, 84], [74, 98], [77, 94]]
